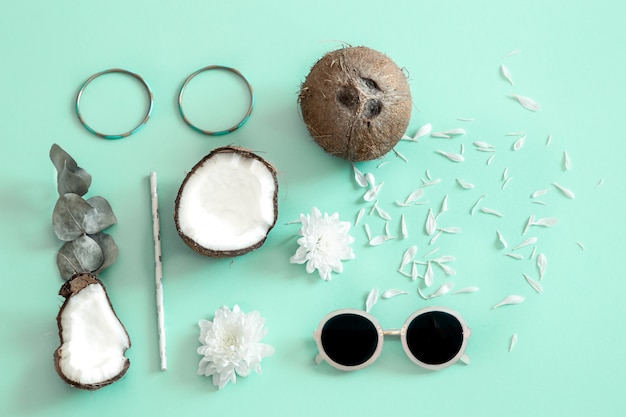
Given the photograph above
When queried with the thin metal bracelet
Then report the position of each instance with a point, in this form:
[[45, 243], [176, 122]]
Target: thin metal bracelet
[[219, 132], [120, 135]]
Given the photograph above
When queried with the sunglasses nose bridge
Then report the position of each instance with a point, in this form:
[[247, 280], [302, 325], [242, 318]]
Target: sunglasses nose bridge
[[393, 332]]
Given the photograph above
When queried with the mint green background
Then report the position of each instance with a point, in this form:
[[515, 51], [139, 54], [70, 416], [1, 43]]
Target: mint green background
[[569, 357]]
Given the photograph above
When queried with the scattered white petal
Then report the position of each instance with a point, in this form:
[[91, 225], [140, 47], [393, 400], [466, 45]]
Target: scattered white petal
[[444, 259], [447, 269], [548, 140], [520, 133], [429, 275], [543, 203], [466, 290], [490, 159], [435, 250], [506, 73], [429, 183], [440, 135], [421, 294], [542, 263], [501, 239], [465, 359], [367, 231], [532, 254], [534, 284], [462, 151], [414, 196], [408, 256], [491, 211], [529, 223], [371, 194], [511, 53], [442, 290], [514, 256], [403, 228], [379, 240], [485, 145], [387, 229], [428, 174], [451, 230], [492, 150], [513, 342], [454, 132], [454, 157], [465, 119], [510, 300], [359, 216], [506, 182], [372, 298], [580, 245], [526, 102], [567, 162], [359, 177], [423, 131], [431, 223], [444, 205], [545, 222], [382, 164], [476, 204], [434, 238], [370, 179], [414, 273], [399, 155], [465, 185], [382, 213], [392, 293], [517, 145], [527, 242], [505, 173], [599, 184], [565, 191], [539, 193]]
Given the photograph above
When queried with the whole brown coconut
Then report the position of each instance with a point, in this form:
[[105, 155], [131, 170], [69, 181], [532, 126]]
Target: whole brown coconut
[[356, 103]]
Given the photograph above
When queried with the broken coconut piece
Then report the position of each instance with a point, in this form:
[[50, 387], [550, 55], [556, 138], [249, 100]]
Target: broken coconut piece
[[93, 340], [227, 204]]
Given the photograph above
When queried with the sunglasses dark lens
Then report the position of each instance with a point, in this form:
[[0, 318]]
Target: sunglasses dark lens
[[349, 339], [434, 337]]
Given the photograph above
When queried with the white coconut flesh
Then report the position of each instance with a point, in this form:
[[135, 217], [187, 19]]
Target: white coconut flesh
[[94, 340], [228, 202]]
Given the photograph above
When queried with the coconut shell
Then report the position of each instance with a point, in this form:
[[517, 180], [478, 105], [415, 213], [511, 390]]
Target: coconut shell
[[70, 288], [225, 253], [356, 103]]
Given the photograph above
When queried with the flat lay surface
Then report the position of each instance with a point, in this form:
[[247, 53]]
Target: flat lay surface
[[512, 202]]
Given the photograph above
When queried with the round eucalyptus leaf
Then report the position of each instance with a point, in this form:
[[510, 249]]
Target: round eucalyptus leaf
[[72, 217], [105, 216], [81, 255], [70, 177], [108, 247]]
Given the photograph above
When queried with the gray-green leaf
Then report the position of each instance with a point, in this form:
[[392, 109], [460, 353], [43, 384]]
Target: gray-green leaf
[[73, 217], [109, 250], [105, 217], [80, 255], [70, 177]]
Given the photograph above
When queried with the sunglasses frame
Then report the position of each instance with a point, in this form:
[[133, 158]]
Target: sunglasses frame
[[323, 356]]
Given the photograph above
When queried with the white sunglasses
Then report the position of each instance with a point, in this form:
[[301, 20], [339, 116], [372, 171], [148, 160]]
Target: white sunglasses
[[432, 337]]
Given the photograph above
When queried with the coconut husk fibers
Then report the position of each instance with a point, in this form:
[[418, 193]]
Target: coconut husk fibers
[[71, 287], [356, 103], [225, 253]]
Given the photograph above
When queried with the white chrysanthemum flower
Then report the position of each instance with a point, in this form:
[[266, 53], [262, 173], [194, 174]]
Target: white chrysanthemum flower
[[324, 243], [231, 345]]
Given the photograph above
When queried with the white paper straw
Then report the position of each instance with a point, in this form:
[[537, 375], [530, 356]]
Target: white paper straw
[[158, 269]]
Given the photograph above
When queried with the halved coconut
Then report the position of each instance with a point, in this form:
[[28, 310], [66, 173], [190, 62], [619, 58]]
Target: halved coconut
[[93, 340], [228, 203]]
